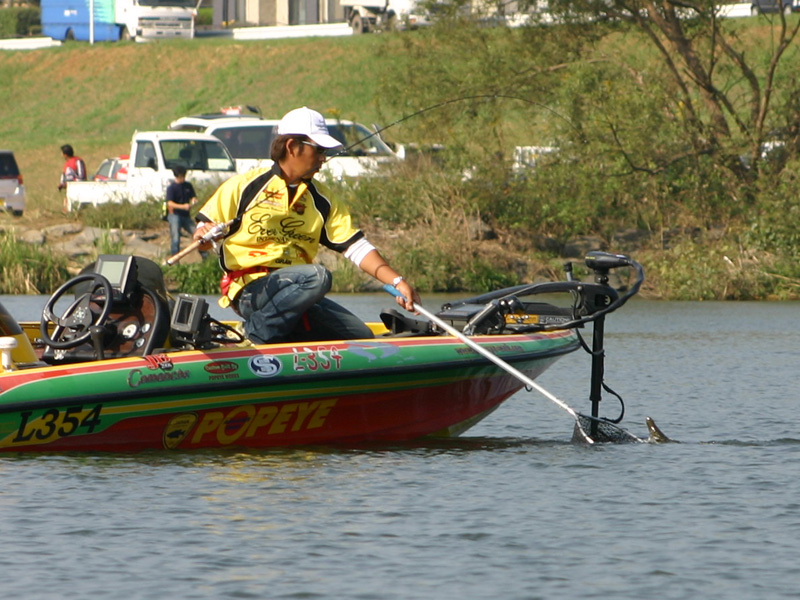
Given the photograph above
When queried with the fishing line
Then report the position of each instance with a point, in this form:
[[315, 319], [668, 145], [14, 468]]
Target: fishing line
[[444, 103]]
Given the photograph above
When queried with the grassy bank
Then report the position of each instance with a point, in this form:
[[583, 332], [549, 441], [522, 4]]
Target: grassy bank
[[95, 97]]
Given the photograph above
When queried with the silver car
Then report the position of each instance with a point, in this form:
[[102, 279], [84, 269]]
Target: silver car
[[12, 191]]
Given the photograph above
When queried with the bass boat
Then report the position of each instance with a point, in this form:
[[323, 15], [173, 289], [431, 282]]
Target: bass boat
[[118, 364]]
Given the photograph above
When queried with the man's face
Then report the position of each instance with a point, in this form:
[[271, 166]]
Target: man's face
[[310, 158]]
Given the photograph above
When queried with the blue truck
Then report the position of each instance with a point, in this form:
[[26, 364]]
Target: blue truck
[[112, 20]]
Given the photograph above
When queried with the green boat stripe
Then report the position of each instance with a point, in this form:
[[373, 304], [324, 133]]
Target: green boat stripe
[[279, 388]]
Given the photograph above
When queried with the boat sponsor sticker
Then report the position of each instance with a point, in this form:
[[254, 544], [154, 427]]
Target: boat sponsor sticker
[[316, 359], [221, 369], [137, 377], [158, 362], [177, 429], [165, 368], [514, 319], [248, 421], [494, 348], [265, 365], [373, 350]]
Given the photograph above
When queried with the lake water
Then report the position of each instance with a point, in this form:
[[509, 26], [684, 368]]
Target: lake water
[[511, 511]]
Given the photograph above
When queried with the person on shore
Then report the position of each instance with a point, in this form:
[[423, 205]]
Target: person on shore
[[278, 217], [180, 196], [74, 167]]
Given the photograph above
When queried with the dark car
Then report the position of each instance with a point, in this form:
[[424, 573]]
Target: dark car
[[774, 6], [12, 191]]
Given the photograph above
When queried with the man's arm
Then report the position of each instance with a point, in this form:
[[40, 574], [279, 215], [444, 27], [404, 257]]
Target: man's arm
[[375, 265]]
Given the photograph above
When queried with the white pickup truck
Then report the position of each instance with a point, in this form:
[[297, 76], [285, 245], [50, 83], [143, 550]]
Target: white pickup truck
[[384, 15], [153, 155], [249, 137]]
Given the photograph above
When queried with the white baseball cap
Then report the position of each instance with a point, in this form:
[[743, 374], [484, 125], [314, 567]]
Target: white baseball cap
[[304, 121]]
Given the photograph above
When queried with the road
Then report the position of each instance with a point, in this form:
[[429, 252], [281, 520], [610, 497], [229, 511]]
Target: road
[[741, 9]]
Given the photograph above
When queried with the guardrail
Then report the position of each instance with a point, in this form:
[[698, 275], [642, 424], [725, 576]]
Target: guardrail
[[31, 43]]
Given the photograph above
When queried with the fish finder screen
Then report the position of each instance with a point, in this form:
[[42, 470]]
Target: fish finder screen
[[118, 271], [113, 271]]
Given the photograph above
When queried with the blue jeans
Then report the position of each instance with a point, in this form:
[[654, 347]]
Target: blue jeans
[[176, 223], [289, 305]]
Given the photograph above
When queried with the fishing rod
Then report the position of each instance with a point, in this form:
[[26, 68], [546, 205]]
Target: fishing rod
[[210, 237], [444, 103], [220, 229], [215, 233]]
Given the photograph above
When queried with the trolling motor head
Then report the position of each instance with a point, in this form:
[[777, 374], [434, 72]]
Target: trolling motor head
[[594, 299], [602, 262]]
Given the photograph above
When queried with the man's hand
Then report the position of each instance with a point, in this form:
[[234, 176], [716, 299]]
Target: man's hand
[[410, 296], [206, 232]]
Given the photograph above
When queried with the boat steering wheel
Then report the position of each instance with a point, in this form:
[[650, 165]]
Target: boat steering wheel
[[73, 327]]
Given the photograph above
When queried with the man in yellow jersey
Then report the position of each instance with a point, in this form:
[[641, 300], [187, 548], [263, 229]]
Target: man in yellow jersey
[[280, 217]]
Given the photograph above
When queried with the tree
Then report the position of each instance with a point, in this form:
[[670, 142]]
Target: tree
[[662, 110], [721, 94]]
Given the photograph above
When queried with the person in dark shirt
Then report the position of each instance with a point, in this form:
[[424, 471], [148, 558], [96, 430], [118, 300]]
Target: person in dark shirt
[[180, 196]]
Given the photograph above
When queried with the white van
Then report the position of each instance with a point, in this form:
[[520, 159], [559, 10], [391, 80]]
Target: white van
[[248, 138], [12, 190]]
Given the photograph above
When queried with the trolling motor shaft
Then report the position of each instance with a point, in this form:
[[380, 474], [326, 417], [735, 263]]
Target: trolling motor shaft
[[601, 263]]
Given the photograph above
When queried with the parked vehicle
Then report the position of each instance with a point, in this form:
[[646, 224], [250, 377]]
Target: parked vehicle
[[372, 15], [787, 7], [114, 20], [155, 153], [12, 190], [527, 157], [248, 137], [115, 167]]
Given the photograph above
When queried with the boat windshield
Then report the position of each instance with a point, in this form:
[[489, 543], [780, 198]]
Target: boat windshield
[[197, 155]]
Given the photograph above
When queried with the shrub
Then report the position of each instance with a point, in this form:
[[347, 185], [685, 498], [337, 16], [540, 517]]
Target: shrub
[[19, 21], [123, 215], [29, 269], [196, 278]]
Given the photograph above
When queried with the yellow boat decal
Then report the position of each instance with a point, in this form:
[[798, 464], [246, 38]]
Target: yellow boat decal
[[247, 420], [53, 424], [178, 428]]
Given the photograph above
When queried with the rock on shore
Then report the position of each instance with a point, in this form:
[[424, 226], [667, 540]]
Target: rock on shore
[[80, 243]]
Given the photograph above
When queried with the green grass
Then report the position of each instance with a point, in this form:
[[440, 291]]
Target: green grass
[[96, 97], [28, 269]]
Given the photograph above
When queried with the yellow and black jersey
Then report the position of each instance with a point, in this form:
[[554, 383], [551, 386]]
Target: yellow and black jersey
[[274, 225]]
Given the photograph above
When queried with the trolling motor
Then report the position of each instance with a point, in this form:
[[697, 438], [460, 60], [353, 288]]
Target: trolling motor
[[505, 310], [601, 264]]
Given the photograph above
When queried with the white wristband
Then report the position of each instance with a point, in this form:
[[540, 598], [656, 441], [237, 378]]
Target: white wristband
[[396, 281]]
